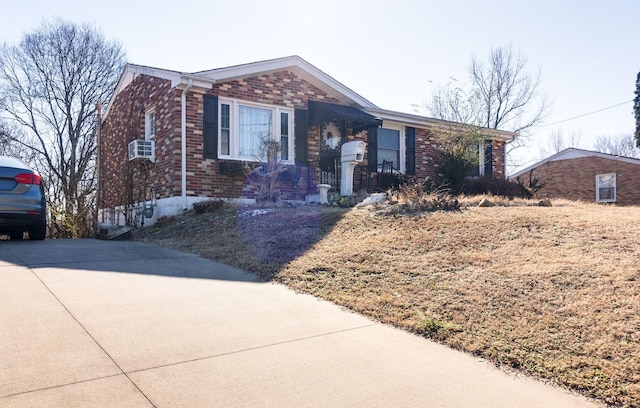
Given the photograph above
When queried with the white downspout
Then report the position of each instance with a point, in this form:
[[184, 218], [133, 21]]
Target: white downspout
[[183, 149]]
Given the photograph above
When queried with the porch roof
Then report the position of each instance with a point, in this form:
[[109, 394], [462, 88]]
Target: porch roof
[[324, 112]]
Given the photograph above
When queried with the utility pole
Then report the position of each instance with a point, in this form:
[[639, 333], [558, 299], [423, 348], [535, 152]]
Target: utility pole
[[636, 107], [98, 161]]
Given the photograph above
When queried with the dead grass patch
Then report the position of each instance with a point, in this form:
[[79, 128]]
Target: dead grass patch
[[552, 292]]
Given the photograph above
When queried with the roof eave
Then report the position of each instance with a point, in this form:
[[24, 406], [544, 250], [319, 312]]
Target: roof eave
[[299, 66], [575, 153], [433, 123]]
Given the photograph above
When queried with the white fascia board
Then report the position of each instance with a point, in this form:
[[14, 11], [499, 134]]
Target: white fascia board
[[573, 153], [131, 71], [432, 123], [247, 70], [570, 153], [297, 65]]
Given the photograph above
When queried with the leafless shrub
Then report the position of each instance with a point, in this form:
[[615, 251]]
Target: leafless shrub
[[208, 206], [265, 176], [412, 198]]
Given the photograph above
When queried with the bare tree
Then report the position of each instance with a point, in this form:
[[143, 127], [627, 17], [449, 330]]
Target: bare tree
[[51, 82], [559, 141], [622, 145], [509, 97], [501, 95], [265, 175]]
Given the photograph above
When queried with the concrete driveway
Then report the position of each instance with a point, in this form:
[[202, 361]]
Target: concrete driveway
[[88, 323]]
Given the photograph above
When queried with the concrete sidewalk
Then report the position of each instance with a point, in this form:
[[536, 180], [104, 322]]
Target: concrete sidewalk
[[123, 324]]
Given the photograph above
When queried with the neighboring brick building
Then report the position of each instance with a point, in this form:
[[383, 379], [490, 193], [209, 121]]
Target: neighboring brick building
[[584, 175], [169, 139]]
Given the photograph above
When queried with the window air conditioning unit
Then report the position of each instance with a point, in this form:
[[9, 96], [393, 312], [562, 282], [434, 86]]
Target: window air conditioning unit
[[142, 150]]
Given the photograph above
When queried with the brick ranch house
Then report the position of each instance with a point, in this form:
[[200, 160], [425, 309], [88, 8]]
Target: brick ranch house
[[577, 174], [169, 139]]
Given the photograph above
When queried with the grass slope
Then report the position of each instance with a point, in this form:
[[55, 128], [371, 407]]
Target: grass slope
[[551, 292]]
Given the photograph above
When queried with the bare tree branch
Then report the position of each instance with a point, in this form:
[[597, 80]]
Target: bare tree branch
[[559, 141], [508, 96], [622, 145]]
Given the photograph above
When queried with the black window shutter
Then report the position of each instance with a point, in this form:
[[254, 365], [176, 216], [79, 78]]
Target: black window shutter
[[488, 158], [372, 149], [301, 135], [410, 136], [210, 126]]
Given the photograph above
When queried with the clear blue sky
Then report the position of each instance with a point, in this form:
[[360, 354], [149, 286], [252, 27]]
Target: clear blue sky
[[390, 52]]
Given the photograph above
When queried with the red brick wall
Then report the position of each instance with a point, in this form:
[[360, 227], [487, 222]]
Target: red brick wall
[[575, 179], [282, 88], [123, 182], [498, 159]]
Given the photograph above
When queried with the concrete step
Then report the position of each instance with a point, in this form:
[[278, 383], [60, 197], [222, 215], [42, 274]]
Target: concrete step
[[113, 232]]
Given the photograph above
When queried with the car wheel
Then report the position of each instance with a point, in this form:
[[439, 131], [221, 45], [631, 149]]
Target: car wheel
[[38, 233], [17, 236]]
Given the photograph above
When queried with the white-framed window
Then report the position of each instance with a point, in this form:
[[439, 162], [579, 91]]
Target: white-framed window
[[391, 146], [606, 188], [150, 124], [243, 125]]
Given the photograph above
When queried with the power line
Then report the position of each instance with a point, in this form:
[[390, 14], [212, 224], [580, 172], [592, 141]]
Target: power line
[[586, 114]]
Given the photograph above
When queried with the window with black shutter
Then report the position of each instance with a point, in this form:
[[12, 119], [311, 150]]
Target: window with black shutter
[[372, 149], [410, 145], [210, 126], [301, 135]]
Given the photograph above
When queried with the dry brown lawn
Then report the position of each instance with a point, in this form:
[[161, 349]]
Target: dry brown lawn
[[550, 292]]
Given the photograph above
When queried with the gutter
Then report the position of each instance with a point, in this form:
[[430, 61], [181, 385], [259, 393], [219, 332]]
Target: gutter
[[425, 121], [183, 170]]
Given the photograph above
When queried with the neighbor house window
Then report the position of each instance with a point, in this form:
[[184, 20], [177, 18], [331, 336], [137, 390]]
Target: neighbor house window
[[150, 125], [389, 146], [606, 188], [243, 126]]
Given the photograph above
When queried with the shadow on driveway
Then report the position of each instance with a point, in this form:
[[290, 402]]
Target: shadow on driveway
[[116, 256]]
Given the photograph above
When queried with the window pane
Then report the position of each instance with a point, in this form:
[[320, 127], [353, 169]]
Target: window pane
[[150, 125], [389, 155], [284, 124], [607, 193], [225, 131], [389, 146], [284, 136], [254, 125], [224, 141], [608, 180], [225, 118], [388, 138], [284, 148]]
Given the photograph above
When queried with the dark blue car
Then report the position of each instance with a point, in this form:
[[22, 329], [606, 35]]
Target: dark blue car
[[22, 201]]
